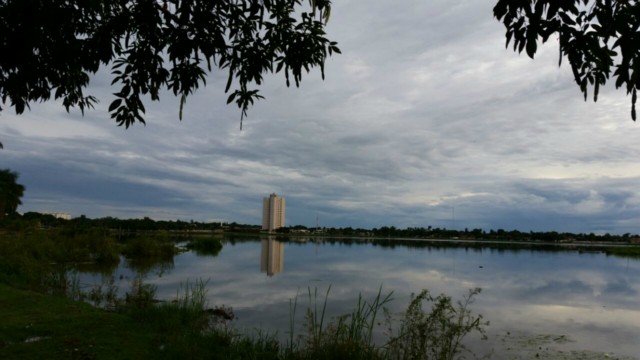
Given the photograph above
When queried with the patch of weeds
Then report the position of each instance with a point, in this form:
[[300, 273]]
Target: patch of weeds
[[142, 247], [435, 333], [624, 251], [210, 246], [141, 295], [104, 295]]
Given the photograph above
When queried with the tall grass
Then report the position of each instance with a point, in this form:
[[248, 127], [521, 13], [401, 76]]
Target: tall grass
[[430, 328], [435, 332], [349, 336]]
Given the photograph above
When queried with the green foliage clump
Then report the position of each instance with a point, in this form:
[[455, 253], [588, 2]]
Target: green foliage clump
[[10, 192], [435, 333], [149, 247], [625, 251], [205, 246], [154, 46]]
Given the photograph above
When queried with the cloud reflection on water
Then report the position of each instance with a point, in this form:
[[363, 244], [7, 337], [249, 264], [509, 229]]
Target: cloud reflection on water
[[592, 298]]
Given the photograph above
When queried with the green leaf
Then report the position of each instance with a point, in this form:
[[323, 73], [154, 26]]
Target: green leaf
[[531, 47], [634, 97], [231, 97], [115, 104], [229, 80]]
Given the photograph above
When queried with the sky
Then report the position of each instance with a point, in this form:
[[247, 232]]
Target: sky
[[425, 119]]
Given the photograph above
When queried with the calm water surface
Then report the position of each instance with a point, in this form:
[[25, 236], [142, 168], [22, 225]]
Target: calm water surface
[[530, 297]]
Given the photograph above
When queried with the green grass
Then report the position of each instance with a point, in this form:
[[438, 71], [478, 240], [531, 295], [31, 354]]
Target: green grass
[[35, 326], [625, 251], [66, 329]]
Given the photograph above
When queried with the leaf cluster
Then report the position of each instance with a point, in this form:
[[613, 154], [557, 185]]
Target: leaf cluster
[[10, 192], [599, 38], [51, 47]]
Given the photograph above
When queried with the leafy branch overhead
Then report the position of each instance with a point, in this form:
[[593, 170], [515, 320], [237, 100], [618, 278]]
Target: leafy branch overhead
[[599, 38], [10, 192], [50, 48]]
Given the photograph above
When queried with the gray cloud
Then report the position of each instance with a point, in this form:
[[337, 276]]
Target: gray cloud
[[424, 120]]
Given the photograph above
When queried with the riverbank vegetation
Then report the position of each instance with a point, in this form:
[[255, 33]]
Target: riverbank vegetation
[[32, 250], [624, 251], [48, 311], [35, 324], [205, 245], [45, 310]]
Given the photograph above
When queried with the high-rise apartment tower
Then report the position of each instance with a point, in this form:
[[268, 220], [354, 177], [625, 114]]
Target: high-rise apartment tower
[[272, 212]]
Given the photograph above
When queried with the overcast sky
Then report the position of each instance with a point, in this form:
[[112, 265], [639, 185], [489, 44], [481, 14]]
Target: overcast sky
[[425, 119]]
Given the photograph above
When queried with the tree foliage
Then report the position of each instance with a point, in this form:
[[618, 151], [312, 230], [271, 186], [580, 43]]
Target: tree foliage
[[51, 47], [599, 38], [10, 192]]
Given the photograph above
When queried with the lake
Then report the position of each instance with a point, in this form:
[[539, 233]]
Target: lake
[[552, 303]]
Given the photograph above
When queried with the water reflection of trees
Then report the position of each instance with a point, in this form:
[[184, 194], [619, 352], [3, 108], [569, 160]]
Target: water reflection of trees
[[98, 268], [391, 243], [500, 247]]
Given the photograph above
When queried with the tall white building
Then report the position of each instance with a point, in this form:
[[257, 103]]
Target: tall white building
[[273, 212]]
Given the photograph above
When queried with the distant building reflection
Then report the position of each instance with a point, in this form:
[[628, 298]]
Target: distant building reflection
[[272, 256]]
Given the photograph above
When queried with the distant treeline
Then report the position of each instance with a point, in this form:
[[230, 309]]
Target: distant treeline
[[39, 220], [466, 234], [34, 219]]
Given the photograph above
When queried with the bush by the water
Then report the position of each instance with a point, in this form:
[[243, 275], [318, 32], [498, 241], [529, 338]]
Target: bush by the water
[[205, 246]]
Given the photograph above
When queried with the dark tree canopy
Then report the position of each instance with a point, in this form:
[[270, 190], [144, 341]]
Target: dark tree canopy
[[10, 192], [51, 47], [599, 38]]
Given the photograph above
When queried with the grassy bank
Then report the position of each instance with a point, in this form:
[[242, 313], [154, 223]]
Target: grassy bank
[[45, 313], [36, 325]]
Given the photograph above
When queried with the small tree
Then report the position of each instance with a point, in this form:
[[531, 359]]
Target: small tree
[[10, 192]]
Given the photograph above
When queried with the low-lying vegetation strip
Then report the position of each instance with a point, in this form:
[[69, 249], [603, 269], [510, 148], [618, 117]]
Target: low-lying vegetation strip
[[30, 258], [205, 246], [625, 251]]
